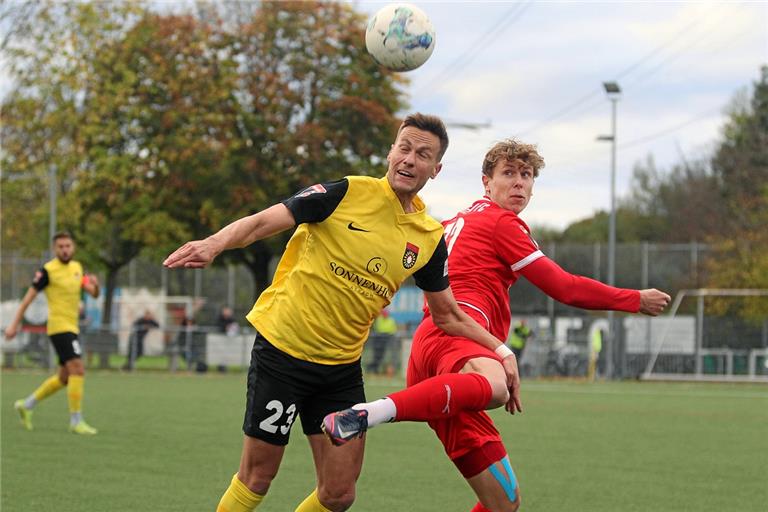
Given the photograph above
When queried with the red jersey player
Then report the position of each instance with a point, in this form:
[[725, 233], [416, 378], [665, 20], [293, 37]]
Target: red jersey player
[[452, 380]]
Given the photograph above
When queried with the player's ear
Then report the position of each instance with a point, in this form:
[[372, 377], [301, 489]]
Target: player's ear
[[438, 168], [486, 187]]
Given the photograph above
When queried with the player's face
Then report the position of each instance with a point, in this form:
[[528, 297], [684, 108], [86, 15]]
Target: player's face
[[412, 161], [64, 248], [511, 185]]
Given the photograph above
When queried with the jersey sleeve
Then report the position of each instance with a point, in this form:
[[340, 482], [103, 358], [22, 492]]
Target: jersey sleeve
[[317, 203], [40, 280], [514, 244], [433, 277], [579, 291]]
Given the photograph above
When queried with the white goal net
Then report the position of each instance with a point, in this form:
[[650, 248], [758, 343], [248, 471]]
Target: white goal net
[[711, 335]]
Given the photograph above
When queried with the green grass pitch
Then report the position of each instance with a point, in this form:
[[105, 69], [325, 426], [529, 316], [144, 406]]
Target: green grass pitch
[[171, 442]]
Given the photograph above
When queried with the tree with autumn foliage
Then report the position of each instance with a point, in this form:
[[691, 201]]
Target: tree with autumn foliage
[[312, 106], [741, 165], [162, 127]]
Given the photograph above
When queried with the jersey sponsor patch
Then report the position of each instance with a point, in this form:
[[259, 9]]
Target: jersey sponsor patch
[[314, 189], [410, 255]]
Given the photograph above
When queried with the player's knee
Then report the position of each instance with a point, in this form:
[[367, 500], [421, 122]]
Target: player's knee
[[499, 394], [75, 367], [503, 504], [336, 497], [256, 480], [512, 506]]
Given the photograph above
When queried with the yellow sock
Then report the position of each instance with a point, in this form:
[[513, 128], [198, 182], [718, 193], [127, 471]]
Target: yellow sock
[[51, 385], [75, 393], [312, 504], [238, 498]]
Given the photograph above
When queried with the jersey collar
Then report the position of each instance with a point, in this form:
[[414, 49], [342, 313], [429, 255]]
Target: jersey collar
[[418, 204]]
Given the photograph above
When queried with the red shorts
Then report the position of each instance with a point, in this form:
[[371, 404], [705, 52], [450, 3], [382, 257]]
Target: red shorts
[[433, 353]]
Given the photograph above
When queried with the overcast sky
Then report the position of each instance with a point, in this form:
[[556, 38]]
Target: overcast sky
[[534, 70]]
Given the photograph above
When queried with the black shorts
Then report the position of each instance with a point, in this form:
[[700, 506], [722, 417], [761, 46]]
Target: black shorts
[[67, 346], [281, 387]]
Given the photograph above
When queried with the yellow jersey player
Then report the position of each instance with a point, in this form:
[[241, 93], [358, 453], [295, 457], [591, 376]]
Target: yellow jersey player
[[357, 240], [62, 280]]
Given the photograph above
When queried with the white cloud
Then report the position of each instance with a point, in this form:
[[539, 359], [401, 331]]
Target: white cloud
[[679, 65]]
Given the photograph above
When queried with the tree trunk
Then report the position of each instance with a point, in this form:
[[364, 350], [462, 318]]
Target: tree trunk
[[256, 258], [109, 291]]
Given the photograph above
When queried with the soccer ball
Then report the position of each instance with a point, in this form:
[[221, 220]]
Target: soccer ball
[[400, 37]]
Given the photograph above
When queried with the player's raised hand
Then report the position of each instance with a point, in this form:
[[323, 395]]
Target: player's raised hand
[[196, 254], [10, 332], [513, 383], [653, 302], [93, 279]]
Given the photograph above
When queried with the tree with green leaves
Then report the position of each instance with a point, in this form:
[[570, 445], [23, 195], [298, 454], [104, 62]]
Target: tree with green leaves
[[312, 106], [136, 117], [741, 166], [162, 127]]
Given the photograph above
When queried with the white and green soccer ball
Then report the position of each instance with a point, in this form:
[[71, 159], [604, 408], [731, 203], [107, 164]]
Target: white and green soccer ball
[[400, 37]]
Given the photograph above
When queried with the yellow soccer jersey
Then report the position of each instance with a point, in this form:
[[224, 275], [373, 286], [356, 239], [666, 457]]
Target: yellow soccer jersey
[[62, 283], [353, 248]]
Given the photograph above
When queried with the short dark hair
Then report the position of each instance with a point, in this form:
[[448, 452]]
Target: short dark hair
[[62, 234], [431, 124]]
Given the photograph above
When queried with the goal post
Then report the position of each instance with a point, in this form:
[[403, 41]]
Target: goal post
[[721, 345]]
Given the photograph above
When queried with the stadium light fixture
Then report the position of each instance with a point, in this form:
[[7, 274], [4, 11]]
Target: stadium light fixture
[[613, 91]]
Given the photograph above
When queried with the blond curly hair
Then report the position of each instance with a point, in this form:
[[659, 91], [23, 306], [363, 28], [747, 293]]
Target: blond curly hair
[[511, 149]]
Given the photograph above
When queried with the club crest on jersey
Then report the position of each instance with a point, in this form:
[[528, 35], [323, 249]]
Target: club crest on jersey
[[314, 189], [410, 255]]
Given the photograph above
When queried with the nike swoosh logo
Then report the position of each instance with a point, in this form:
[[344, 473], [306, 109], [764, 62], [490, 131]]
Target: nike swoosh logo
[[353, 228], [447, 408], [343, 434]]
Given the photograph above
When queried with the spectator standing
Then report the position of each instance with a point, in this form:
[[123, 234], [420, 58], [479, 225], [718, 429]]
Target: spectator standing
[[383, 335], [139, 330]]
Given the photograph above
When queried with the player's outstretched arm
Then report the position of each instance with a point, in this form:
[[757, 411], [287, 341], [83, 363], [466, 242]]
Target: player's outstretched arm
[[242, 232], [653, 301], [586, 293], [13, 328]]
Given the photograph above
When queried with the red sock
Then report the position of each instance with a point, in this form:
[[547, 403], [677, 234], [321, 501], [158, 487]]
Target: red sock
[[479, 508], [442, 396]]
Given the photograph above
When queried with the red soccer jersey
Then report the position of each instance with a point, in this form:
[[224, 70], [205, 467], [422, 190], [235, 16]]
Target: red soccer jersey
[[490, 247], [487, 247]]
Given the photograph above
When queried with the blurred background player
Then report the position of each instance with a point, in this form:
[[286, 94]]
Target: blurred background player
[[313, 320], [595, 347], [489, 248], [383, 338], [518, 338], [62, 279]]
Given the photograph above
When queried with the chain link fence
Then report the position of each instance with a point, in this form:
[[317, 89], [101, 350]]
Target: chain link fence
[[560, 346]]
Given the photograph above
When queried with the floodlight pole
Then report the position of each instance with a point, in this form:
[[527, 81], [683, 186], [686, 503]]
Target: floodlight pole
[[613, 91], [52, 200]]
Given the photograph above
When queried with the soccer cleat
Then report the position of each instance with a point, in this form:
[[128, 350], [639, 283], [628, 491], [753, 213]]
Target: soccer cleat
[[82, 428], [24, 413], [345, 425]]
